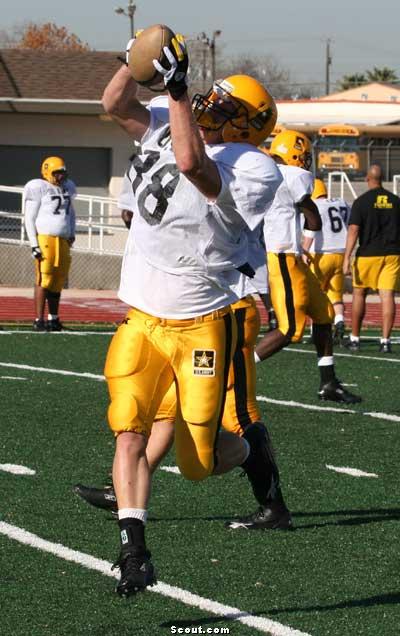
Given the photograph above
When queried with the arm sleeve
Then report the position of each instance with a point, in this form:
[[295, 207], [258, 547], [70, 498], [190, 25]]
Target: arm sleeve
[[126, 199], [31, 211], [72, 213]]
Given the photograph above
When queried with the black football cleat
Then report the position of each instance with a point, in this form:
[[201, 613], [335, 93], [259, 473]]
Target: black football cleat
[[338, 333], [333, 391], [274, 516], [385, 347], [54, 325], [98, 497], [39, 325], [353, 345], [137, 572]]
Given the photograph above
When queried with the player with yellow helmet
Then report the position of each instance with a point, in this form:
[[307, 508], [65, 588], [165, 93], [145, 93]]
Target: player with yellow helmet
[[50, 225], [295, 291]]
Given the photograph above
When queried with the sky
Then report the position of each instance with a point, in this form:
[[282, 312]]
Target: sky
[[293, 32]]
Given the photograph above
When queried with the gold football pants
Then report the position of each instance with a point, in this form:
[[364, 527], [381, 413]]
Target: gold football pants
[[296, 294], [240, 404], [149, 354], [328, 268], [52, 270]]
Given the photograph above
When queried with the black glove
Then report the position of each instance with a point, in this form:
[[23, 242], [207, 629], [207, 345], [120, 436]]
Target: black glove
[[37, 252], [175, 75]]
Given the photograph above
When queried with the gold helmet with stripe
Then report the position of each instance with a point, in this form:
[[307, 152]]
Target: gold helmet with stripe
[[53, 165], [240, 106], [319, 189], [293, 147]]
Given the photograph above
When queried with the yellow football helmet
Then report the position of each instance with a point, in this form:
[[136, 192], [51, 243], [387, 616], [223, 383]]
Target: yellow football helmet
[[293, 147], [319, 189], [50, 165], [240, 106]]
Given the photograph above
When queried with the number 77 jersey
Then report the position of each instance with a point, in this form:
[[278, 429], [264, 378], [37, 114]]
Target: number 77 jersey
[[332, 237]]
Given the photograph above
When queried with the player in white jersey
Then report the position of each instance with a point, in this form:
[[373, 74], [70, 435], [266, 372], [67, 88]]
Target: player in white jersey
[[295, 291], [50, 225], [325, 252], [241, 413], [198, 183]]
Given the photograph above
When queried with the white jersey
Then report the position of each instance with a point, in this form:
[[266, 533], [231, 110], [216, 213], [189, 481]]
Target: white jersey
[[48, 209], [282, 223], [182, 251], [331, 239]]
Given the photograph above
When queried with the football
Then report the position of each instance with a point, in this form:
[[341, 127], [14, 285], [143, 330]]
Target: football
[[148, 46]]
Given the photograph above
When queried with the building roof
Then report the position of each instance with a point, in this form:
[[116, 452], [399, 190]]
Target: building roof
[[316, 112], [374, 91], [57, 81]]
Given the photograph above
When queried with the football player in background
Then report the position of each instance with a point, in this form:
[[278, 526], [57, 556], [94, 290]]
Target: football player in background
[[295, 291], [50, 225], [325, 252], [199, 182]]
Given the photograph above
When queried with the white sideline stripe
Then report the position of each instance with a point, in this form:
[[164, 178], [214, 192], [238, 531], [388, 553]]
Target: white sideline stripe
[[11, 377], [354, 472], [17, 469], [261, 398], [91, 376], [104, 567], [171, 469], [313, 407], [10, 332], [344, 355]]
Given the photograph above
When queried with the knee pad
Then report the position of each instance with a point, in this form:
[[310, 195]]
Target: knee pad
[[194, 471], [123, 415]]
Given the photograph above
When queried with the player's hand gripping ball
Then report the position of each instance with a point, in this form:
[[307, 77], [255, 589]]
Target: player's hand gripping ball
[[147, 46]]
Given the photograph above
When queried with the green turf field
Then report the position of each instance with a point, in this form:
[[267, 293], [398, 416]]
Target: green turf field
[[337, 574]]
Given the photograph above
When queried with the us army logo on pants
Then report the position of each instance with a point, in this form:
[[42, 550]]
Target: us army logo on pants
[[203, 362]]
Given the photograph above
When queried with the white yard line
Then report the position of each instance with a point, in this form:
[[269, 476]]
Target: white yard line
[[260, 623], [17, 469], [354, 472], [58, 333], [91, 376], [354, 356], [11, 377], [171, 469], [314, 407]]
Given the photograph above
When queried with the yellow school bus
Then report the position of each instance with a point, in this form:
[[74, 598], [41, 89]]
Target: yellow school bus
[[338, 149]]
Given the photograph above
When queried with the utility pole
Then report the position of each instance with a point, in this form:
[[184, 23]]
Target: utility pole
[[129, 12], [213, 53], [328, 62]]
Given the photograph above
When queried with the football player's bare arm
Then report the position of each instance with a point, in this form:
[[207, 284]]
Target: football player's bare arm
[[352, 236], [312, 216], [119, 100], [189, 150]]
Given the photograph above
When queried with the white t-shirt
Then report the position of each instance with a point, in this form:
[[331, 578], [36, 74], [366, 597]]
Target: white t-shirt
[[182, 249], [282, 222], [48, 209], [331, 239]]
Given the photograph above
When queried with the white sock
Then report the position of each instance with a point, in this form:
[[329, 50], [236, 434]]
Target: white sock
[[354, 338], [339, 318], [257, 357], [133, 513], [52, 316], [325, 361], [385, 340]]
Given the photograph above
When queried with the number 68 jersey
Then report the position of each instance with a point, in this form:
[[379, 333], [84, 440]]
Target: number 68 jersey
[[331, 239], [49, 209]]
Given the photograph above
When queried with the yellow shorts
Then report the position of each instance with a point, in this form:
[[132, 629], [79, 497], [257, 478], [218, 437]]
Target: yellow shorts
[[328, 268], [147, 355], [296, 294], [377, 272], [240, 404], [52, 270]]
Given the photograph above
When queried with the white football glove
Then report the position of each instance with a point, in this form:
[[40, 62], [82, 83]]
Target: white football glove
[[37, 252], [175, 76]]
